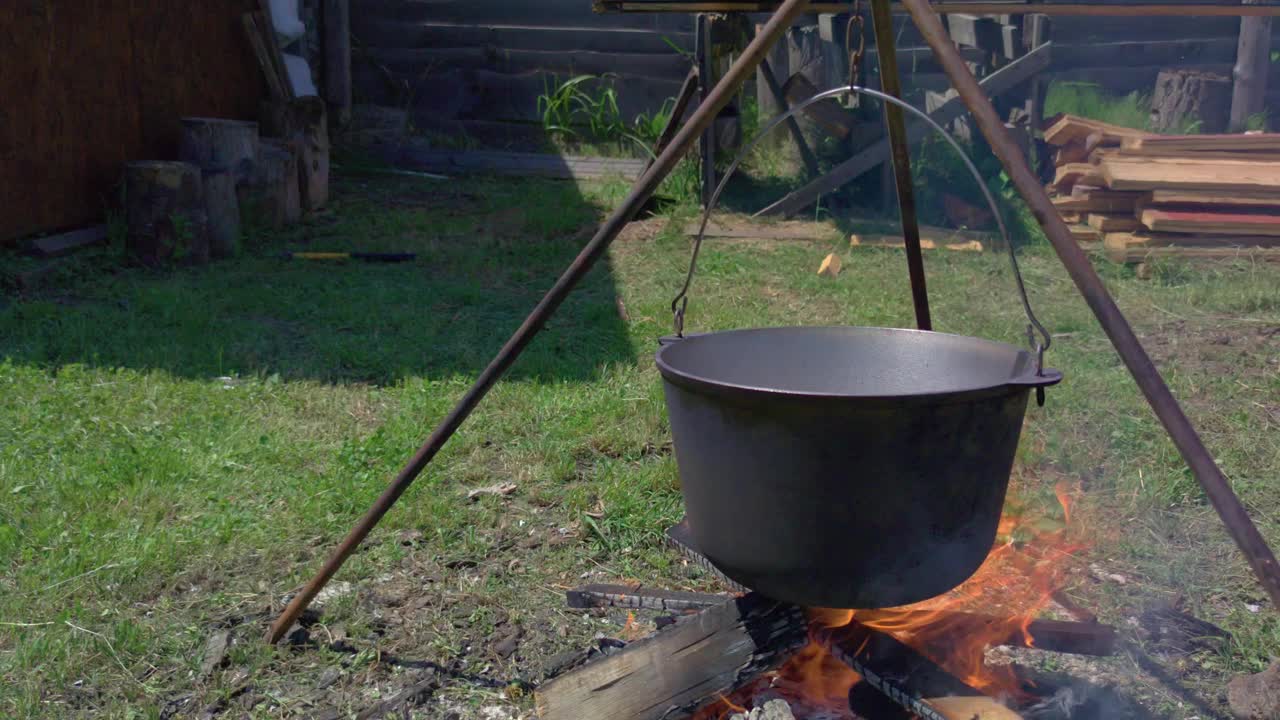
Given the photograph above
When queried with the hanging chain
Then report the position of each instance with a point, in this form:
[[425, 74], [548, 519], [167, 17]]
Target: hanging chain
[[855, 56]]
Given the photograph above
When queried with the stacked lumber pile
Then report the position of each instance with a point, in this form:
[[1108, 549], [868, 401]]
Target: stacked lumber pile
[[1137, 196]]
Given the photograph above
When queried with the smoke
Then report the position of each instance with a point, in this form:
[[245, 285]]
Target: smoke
[[1080, 700]]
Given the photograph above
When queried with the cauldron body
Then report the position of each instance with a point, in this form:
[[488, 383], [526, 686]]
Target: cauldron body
[[842, 466]]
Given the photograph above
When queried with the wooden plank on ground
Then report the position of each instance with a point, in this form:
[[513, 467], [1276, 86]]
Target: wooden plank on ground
[[1113, 223], [68, 242], [995, 84], [1249, 142], [1126, 248], [1190, 197], [511, 163], [680, 667], [1195, 175], [747, 229], [1069, 128], [895, 242], [1129, 240], [1198, 221]]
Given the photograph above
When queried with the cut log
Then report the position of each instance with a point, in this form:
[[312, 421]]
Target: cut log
[[272, 199], [1196, 175], [1253, 65], [301, 124], [830, 266], [1253, 142], [1180, 197], [222, 209], [218, 143], [1186, 98], [1070, 128], [1221, 223], [164, 211], [1113, 223], [683, 667]]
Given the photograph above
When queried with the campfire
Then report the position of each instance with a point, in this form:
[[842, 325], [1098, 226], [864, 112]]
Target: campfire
[[931, 659]]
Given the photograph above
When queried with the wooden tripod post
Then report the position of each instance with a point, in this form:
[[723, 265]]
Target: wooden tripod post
[[644, 187]]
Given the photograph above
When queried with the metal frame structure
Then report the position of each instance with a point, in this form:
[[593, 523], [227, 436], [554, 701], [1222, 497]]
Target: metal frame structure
[[925, 15]]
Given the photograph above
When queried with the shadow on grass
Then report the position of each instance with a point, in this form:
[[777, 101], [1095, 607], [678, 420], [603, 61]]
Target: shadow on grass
[[487, 250]]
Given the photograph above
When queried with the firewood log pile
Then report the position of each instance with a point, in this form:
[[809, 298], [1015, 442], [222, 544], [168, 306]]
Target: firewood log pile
[[1137, 196]]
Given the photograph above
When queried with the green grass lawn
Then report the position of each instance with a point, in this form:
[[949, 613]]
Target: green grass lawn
[[180, 449]]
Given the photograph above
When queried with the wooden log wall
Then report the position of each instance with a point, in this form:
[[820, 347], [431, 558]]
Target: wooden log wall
[[91, 84], [478, 67]]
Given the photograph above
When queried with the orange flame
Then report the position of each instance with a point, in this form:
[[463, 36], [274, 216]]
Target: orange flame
[[996, 606]]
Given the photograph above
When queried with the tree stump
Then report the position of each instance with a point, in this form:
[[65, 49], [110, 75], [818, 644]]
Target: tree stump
[[301, 124], [271, 198], [164, 210], [1184, 98], [216, 142], [222, 208]]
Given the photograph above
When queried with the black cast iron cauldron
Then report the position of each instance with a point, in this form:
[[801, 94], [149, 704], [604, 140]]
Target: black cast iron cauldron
[[844, 466]]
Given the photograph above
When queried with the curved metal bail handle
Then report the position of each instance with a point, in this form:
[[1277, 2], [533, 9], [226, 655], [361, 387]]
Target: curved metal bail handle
[[681, 302]]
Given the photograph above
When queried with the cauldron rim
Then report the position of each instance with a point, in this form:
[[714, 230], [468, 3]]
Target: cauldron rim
[[1023, 376]]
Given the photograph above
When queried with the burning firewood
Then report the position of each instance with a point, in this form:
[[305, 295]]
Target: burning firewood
[[685, 666]]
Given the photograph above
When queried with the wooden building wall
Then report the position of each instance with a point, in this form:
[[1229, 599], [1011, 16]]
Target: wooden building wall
[[86, 85]]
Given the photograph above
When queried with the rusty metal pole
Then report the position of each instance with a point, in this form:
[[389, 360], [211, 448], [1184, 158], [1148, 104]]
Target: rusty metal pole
[[891, 83], [644, 187], [1215, 484]]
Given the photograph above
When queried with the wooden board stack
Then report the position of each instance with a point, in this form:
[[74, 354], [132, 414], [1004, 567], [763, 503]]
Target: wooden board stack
[[1138, 196]]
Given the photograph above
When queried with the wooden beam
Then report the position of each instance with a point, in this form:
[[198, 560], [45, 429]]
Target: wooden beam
[[687, 91], [780, 97], [337, 59], [682, 667], [640, 598], [1205, 9], [704, 57], [995, 84]]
